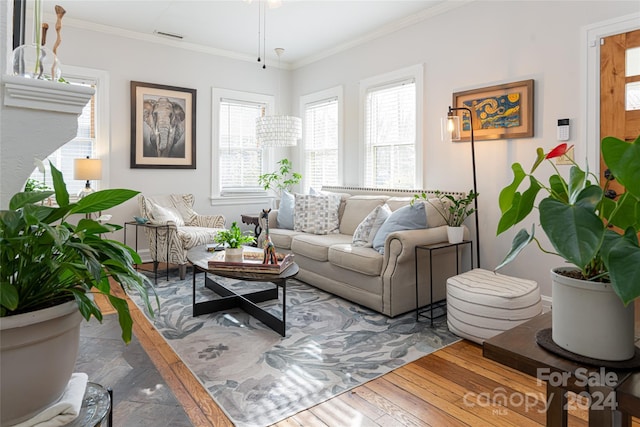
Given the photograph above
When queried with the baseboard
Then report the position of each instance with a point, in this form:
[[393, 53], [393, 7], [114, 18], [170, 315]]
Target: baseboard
[[546, 303]]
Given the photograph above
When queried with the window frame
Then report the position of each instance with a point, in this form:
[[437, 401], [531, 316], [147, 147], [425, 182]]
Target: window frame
[[416, 73], [312, 98], [100, 79], [218, 95]]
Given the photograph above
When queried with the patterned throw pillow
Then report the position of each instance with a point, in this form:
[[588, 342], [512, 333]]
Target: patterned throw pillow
[[367, 229], [316, 214]]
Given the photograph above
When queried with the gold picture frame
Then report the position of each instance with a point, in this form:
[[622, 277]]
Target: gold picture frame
[[163, 124], [502, 111]]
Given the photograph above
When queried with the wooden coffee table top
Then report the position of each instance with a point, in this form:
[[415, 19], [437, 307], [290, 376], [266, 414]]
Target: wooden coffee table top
[[199, 257]]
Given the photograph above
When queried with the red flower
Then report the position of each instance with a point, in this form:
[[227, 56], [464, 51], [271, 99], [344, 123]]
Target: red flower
[[560, 150]]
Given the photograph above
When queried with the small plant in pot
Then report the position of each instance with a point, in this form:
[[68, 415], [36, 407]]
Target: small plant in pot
[[454, 210], [233, 239], [578, 215], [49, 270]]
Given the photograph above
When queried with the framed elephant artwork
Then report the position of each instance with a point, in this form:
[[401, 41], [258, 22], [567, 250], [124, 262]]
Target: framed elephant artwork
[[163, 123]]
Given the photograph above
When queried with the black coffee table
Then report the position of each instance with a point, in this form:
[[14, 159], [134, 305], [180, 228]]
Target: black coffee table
[[200, 257]]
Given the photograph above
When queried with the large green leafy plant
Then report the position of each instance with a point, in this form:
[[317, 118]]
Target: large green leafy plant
[[45, 260], [577, 215]]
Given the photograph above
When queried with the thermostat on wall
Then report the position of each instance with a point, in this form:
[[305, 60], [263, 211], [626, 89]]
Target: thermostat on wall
[[563, 129]]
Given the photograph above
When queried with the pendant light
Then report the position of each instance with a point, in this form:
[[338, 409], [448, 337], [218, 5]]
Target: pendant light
[[278, 130]]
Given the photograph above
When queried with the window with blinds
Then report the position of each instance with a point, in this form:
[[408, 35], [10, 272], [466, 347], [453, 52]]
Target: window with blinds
[[83, 145], [321, 143], [240, 157], [390, 135]]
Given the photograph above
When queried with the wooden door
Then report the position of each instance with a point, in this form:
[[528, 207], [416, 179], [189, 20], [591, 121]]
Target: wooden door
[[619, 116]]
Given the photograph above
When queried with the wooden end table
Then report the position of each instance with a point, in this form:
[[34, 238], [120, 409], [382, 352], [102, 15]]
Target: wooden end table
[[253, 219], [199, 257], [614, 394]]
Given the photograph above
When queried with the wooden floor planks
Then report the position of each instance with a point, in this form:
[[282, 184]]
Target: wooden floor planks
[[441, 389]]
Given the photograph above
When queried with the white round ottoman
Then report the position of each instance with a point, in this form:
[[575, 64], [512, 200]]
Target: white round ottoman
[[482, 304]]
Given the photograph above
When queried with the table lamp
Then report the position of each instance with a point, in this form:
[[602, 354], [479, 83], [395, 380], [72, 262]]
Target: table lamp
[[87, 169]]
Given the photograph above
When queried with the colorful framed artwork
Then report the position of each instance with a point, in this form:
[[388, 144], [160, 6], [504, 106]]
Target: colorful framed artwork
[[163, 124], [499, 112]]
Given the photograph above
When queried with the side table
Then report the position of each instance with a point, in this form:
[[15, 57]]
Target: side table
[[441, 304], [155, 227], [253, 219]]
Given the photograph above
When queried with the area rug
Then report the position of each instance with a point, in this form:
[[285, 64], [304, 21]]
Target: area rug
[[258, 377]]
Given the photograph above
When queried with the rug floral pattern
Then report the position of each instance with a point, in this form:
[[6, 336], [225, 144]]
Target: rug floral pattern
[[258, 377]]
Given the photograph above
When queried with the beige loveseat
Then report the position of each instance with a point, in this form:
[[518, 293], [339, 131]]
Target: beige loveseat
[[382, 282]]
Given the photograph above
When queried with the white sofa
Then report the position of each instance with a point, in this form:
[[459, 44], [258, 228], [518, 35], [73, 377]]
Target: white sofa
[[382, 282]]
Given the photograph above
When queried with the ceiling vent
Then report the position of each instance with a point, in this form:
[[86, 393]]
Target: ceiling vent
[[168, 35]]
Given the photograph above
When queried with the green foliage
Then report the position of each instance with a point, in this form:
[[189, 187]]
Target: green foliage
[[282, 179], [234, 237], [454, 210], [577, 216], [35, 185], [45, 260]]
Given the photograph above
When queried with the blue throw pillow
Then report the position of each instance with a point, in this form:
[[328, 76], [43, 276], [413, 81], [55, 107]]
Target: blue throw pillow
[[286, 209], [410, 217]]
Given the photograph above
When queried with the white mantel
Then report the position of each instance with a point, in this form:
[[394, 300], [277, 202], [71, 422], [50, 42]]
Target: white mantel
[[37, 117]]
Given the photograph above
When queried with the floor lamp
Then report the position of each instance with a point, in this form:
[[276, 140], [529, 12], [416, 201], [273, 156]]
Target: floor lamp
[[453, 130]]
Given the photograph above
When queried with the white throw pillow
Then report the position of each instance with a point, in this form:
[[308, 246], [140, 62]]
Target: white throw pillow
[[367, 229], [286, 210], [316, 214], [162, 215]]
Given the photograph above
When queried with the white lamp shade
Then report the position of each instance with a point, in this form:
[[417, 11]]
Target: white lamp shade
[[278, 131], [87, 169]]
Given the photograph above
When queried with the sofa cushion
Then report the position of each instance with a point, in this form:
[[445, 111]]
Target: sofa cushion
[[362, 260], [286, 210], [316, 214], [281, 237], [356, 209], [368, 228], [408, 217], [316, 246], [396, 203]]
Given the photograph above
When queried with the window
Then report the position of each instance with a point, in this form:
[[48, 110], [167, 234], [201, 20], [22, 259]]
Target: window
[[238, 157], [391, 149], [83, 145], [322, 136]]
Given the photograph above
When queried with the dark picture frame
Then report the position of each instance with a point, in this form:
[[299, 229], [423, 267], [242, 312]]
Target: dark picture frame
[[163, 124], [502, 111]]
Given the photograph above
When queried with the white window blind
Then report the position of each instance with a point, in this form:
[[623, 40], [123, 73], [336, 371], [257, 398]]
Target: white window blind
[[83, 145], [390, 135], [240, 157], [321, 142]]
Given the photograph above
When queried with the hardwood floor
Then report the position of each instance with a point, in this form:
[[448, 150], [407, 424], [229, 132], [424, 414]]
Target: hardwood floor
[[454, 386]]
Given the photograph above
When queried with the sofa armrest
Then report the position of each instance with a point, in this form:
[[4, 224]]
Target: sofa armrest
[[208, 221]]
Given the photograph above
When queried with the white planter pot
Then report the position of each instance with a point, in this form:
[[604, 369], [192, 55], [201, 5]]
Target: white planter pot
[[233, 254], [455, 234], [589, 319], [38, 352]]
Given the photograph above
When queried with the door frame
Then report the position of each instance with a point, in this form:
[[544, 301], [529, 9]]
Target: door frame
[[590, 64]]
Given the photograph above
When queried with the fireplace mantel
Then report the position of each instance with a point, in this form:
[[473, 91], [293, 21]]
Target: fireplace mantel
[[37, 117]]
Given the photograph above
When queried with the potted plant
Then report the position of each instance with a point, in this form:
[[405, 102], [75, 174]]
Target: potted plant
[[49, 269], [233, 239], [282, 179], [577, 216], [454, 210]]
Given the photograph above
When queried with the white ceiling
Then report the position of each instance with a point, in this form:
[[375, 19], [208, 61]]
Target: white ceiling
[[307, 29]]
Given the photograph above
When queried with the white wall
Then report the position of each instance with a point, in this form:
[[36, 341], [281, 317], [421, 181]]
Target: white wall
[[481, 44]]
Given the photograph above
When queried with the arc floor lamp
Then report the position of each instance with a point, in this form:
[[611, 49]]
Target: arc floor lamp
[[453, 130]]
